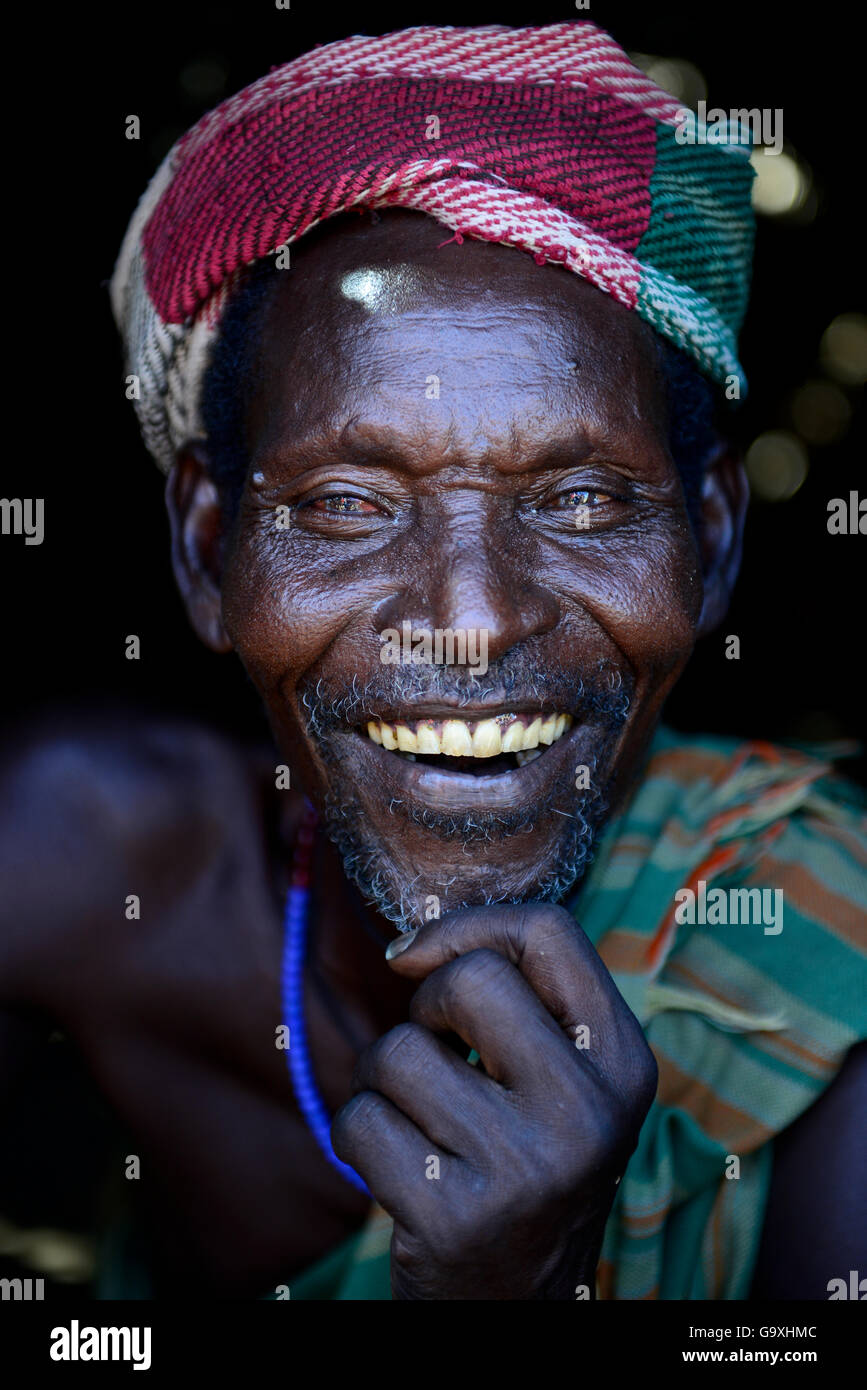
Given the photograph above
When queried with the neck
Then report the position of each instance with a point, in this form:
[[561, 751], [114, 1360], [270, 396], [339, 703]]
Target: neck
[[358, 998]]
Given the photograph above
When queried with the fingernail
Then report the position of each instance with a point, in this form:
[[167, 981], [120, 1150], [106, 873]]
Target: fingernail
[[400, 943]]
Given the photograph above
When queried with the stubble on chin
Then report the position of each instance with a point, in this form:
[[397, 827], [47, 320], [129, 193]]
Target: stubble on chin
[[482, 858]]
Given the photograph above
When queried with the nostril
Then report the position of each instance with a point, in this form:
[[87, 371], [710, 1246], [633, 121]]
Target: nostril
[[495, 612]]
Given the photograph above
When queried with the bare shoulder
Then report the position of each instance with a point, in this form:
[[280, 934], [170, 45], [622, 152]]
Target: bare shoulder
[[815, 1228], [97, 806]]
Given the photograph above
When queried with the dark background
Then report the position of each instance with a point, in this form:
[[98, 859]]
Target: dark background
[[103, 570]]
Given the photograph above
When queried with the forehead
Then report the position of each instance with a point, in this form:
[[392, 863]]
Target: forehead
[[382, 331]]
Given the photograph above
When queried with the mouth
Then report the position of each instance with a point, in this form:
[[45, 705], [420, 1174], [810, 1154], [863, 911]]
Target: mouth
[[495, 745], [507, 765]]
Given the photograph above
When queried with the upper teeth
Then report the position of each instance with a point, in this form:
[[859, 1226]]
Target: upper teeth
[[470, 738]]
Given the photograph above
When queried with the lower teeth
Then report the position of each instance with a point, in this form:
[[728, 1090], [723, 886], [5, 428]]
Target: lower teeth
[[528, 757]]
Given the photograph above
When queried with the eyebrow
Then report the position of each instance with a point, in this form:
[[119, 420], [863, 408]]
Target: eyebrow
[[380, 450]]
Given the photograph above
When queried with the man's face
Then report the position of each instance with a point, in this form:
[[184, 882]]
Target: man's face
[[470, 442]]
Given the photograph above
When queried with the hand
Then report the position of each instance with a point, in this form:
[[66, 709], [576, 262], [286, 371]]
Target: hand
[[500, 1183]]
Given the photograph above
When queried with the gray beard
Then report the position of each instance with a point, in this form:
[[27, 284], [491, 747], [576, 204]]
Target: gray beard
[[362, 857]]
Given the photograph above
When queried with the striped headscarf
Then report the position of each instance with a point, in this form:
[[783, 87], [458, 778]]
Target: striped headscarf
[[545, 139]]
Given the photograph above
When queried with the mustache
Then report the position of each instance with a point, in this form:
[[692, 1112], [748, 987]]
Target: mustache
[[603, 693]]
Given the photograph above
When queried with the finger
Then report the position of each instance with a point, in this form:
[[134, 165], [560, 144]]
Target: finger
[[546, 945], [448, 1100], [391, 1154], [486, 1001]]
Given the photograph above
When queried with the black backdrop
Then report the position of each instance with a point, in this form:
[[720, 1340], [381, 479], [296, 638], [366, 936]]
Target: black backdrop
[[102, 571]]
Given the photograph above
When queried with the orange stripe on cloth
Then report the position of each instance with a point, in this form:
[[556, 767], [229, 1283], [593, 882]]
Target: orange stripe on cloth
[[624, 950], [724, 1123], [606, 1274], [778, 792], [837, 914], [718, 860], [687, 765], [819, 1065], [759, 748], [646, 1223], [636, 843], [717, 1243]]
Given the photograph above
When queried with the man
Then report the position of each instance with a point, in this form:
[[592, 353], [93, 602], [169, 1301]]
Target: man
[[430, 334]]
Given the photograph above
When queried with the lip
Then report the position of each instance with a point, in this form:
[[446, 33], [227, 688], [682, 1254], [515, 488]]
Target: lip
[[397, 778]]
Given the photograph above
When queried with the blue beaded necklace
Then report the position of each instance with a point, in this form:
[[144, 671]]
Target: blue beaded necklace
[[296, 923]]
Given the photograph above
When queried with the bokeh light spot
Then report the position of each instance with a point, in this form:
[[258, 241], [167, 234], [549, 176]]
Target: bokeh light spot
[[783, 184], [843, 350], [683, 79], [776, 464], [820, 412]]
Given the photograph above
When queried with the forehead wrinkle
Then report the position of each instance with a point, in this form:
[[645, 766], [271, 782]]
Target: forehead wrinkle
[[476, 318], [537, 344], [566, 335], [569, 385]]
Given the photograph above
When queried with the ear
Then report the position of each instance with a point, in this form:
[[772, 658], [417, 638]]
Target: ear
[[724, 497], [193, 504]]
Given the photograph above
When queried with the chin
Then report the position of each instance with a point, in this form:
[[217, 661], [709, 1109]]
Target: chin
[[410, 898]]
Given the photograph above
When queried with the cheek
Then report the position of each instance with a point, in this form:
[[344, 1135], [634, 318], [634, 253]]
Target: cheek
[[644, 589], [283, 611]]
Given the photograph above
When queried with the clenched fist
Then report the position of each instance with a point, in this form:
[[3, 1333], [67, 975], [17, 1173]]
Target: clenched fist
[[529, 1150]]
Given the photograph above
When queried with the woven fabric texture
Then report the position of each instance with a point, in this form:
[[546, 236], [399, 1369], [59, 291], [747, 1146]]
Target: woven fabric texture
[[548, 140]]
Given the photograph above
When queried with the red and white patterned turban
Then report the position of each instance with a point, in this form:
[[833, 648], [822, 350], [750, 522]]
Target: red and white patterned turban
[[546, 139]]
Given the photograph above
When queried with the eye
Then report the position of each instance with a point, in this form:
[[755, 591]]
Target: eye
[[341, 504], [580, 497]]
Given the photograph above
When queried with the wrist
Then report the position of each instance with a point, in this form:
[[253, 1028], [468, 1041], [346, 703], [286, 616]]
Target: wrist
[[574, 1279]]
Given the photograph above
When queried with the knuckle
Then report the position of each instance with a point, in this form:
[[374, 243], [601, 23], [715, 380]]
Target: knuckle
[[475, 974], [400, 1049], [628, 1067], [355, 1118], [519, 923], [638, 1071], [544, 921], [452, 929], [403, 1044], [547, 936]]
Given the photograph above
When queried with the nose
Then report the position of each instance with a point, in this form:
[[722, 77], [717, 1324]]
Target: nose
[[474, 584]]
